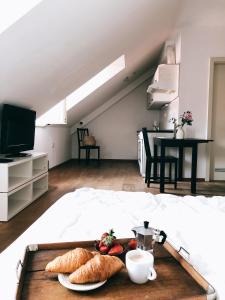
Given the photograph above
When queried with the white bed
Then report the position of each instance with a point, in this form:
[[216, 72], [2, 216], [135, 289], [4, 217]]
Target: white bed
[[194, 223]]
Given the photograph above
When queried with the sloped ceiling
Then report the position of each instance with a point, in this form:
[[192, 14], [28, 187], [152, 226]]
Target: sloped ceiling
[[61, 44]]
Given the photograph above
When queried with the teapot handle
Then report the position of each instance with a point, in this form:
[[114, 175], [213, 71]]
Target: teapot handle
[[135, 232], [162, 233]]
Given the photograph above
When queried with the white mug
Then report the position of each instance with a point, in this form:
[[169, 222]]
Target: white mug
[[139, 264]]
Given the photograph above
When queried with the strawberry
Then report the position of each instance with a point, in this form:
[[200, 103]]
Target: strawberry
[[104, 249], [101, 244], [105, 234], [116, 249], [132, 244], [109, 239]]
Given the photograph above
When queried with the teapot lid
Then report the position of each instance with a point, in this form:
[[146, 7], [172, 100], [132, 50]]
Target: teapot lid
[[144, 230]]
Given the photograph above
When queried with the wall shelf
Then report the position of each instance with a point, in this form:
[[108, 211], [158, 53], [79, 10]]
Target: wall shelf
[[164, 87]]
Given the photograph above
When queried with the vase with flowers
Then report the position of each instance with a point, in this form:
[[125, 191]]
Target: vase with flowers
[[185, 118]]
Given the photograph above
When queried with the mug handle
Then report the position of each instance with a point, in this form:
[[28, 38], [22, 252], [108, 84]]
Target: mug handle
[[152, 275]]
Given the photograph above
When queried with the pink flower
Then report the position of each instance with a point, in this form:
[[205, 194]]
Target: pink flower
[[186, 118]]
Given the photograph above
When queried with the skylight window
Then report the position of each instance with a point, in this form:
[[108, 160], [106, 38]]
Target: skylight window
[[11, 11], [95, 82], [57, 114]]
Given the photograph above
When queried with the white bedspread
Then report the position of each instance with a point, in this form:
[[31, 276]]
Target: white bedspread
[[195, 223]]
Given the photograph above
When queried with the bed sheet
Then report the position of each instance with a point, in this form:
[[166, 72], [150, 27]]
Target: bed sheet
[[195, 223]]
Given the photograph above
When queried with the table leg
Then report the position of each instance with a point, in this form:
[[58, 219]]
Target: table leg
[[155, 163], [162, 169], [180, 164], [194, 168]]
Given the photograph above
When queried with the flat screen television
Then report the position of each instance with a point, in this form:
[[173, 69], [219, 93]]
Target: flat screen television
[[17, 130]]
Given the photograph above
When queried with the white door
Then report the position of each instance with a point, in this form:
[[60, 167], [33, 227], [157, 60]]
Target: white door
[[218, 124]]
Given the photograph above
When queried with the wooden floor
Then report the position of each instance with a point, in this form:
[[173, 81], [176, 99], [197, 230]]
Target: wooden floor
[[115, 175]]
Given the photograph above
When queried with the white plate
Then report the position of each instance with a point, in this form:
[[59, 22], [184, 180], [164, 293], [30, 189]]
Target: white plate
[[64, 280]]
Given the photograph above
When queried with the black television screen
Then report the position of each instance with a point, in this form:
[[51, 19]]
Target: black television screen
[[17, 129]]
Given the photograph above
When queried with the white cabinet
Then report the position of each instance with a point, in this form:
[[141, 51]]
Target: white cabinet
[[22, 182], [166, 77], [164, 87], [14, 174], [40, 186], [40, 166]]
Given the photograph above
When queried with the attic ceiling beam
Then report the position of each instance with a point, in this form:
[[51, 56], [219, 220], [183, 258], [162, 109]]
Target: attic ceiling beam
[[119, 96]]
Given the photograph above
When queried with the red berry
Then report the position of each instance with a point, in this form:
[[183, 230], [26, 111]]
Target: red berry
[[101, 244], [104, 249], [132, 244], [116, 249], [105, 234]]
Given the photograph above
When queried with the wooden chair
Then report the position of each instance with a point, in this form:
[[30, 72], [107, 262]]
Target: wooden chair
[[150, 160], [81, 133]]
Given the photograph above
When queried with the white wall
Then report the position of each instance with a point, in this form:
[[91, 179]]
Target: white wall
[[202, 27], [56, 141], [116, 129], [199, 43]]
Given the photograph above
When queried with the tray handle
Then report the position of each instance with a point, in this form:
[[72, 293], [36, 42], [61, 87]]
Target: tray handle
[[19, 267], [181, 256], [211, 292], [184, 253]]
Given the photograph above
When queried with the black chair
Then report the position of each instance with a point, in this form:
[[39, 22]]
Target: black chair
[[81, 133], [150, 160]]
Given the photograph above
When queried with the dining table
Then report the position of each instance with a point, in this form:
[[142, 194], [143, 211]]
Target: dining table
[[180, 144]]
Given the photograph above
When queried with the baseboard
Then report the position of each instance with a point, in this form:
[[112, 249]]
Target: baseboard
[[189, 179], [62, 163], [108, 160], [119, 160]]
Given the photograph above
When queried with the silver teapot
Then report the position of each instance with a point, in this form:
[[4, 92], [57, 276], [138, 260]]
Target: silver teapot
[[147, 236]]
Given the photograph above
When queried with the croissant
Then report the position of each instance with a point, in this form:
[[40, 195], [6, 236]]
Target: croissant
[[70, 261], [99, 268]]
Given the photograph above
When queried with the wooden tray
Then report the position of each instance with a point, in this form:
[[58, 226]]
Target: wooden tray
[[176, 278]]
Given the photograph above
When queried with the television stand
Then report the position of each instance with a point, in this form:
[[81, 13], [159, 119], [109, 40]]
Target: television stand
[[19, 154], [21, 182]]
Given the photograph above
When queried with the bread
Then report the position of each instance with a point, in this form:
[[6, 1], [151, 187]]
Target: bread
[[99, 268], [70, 261]]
